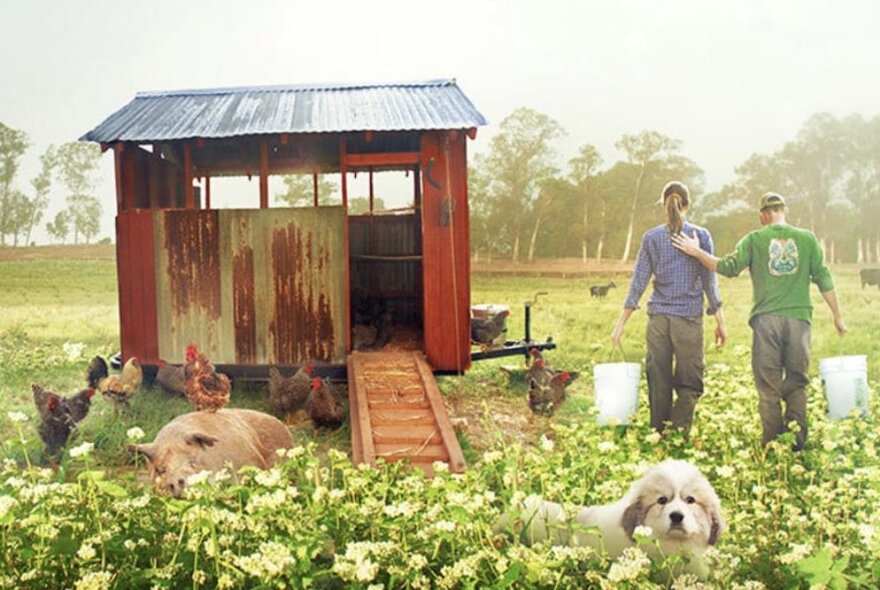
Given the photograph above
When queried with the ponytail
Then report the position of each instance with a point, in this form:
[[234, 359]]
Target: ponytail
[[673, 214], [676, 198]]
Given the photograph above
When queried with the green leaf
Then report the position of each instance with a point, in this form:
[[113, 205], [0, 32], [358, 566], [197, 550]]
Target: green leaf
[[112, 489], [511, 576], [817, 567]]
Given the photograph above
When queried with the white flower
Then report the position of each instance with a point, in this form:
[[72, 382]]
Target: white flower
[[6, 504], [629, 565], [73, 350], [135, 434], [269, 478], [653, 438], [94, 581], [547, 444], [17, 416], [725, 471], [796, 553], [86, 552], [643, 531], [82, 450], [606, 446], [197, 478]]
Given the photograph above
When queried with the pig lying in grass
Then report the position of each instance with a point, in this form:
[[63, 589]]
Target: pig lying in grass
[[210, 441]]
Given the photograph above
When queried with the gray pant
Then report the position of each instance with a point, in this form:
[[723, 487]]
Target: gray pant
[[674, 362], [780, 360]]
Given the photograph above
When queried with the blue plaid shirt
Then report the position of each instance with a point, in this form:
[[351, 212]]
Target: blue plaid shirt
[[679, 280]]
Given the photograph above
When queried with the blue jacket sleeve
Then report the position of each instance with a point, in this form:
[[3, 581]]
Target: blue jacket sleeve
[[641, 276], [708, 278]]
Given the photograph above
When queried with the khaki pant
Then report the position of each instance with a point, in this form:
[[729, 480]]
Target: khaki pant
[[674, 362], [780, 360]]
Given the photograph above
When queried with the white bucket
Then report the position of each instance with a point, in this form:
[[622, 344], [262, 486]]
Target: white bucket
[[486, 311], [617, 391], [846, 385]]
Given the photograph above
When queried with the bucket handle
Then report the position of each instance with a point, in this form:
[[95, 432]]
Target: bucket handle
[[619, 347]]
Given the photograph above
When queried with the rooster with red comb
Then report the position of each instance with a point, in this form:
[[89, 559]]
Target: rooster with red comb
[[205, 388]]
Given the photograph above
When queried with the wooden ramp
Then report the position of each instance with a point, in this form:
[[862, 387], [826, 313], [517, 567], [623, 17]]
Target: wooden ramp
[[397, 412]]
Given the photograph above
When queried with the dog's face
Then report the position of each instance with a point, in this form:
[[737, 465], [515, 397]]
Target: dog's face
[[678, 503]]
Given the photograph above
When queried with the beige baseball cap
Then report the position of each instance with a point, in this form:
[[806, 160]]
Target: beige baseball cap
[[771, 200]]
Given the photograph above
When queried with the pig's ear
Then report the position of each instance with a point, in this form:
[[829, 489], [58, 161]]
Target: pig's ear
[[147, 450], [201, 440]]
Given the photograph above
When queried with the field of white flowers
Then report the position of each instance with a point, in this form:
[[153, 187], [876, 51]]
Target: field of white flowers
[[801, 520]]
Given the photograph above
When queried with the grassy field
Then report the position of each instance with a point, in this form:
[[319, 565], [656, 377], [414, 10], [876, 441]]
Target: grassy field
[[49, 303], [794, 520]]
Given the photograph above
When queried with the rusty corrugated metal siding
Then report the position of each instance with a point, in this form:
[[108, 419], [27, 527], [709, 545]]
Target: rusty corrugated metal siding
[[252, 286], [329, 108]]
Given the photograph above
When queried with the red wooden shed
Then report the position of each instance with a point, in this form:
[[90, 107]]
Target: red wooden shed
[[265, 286]]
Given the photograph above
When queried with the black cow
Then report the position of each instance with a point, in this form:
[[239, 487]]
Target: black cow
[[870, 276]]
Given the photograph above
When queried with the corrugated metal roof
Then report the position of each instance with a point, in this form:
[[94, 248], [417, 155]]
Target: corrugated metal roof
[[327, 108]]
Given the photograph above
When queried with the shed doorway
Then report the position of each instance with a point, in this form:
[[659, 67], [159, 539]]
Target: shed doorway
[[385, 261]]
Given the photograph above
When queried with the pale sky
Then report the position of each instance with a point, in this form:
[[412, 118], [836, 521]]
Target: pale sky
[[728, 79]]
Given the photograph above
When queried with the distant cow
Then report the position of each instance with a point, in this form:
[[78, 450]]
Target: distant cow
[[870, 276], [601, 291]]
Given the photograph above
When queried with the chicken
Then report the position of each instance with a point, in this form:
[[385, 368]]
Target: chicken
[[545, 398], [171, 377], [324, 404], [59, 415], [288, 394], [116, 389], [484, 331], [205, 388], [373, 335], [547, 386]]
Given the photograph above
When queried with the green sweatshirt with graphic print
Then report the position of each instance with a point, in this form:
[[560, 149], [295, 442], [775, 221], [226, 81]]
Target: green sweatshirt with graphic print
[[783, 260]]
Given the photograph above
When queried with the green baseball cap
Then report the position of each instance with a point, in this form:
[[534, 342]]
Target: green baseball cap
[[771, 200]]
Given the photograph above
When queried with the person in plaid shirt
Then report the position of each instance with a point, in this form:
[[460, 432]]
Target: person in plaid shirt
[[674, 361]]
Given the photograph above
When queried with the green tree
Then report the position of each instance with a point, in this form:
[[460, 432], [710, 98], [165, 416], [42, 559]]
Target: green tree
[[300, 190], [59, 229], [361, 205], [41, 183], [13, 144], [643, 152], [519, 160], [584, 175], [77, 163]]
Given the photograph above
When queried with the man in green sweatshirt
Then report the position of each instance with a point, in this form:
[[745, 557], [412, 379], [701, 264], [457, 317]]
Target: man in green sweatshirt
[[783, 260]]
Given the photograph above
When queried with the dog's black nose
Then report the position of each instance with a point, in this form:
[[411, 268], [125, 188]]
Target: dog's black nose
[[676, 517]]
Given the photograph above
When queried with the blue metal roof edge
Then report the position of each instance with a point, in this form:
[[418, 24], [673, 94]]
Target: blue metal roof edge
[[296, 88]]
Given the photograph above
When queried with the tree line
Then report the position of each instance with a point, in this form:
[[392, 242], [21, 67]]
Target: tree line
[[524, 206], [73, 166]]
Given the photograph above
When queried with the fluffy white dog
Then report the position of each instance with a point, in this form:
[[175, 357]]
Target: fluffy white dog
[[673, 498]]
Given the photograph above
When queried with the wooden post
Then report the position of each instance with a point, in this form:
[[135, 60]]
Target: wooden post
[[117, 161], [371, 190], [207, 192], [343, 169], [188, 194], [315, 187], [264, 174]]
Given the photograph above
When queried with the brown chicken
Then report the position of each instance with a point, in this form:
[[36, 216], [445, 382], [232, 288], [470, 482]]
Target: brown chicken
[[171, 377], [59, 415], [289, 394], [545, 398], [324, 405], [205, 388], [485, 330], [115, 389]]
